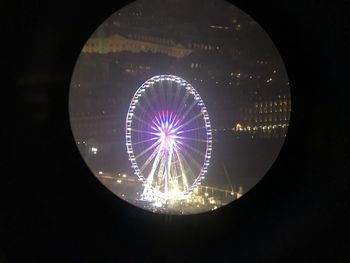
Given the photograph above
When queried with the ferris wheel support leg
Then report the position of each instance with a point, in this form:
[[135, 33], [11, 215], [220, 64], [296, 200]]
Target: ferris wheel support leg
[[148, 186]]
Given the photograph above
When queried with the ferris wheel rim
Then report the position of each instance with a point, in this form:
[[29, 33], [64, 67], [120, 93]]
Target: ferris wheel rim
[[204, 113]]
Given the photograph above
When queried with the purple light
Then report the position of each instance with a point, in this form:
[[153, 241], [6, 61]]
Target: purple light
[[165, 128]]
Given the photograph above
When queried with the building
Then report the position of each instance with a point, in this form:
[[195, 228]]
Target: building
[[265, 118], [117, 43]]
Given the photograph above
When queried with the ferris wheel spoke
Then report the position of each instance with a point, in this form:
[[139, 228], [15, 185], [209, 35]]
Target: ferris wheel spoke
[[140, 131], [161, 174], [151, 174], [143, 110], [189, 156], [188, 172], [177, 94], [150, 158], [169, 93], [188, 111], [169, 163], [192, 148], [182, 104], [154, 95], [191, 139], [164, 88], [147, 150], [166, 92], [183, 172], [141, 120], [150, 105], [175, 174], [190, 130], [188, 122], [148, 140]]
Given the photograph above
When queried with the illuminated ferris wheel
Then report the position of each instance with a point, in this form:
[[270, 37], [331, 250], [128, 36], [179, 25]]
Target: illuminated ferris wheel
[[168, 138]]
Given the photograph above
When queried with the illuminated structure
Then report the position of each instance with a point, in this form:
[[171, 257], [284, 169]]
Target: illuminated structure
[[268, 118], [168, 138]]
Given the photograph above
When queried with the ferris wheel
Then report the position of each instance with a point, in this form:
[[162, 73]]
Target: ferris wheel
[[168, 138]]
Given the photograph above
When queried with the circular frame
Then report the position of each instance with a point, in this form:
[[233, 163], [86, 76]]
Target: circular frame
[[198, 101]]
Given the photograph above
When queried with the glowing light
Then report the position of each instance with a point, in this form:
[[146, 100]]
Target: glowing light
[[212, 201], [94, 150], [173, 139]]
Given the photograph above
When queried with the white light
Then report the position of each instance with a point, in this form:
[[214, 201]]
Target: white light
[[119, 181], [100, 172], [94, 150], [124, 175]]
